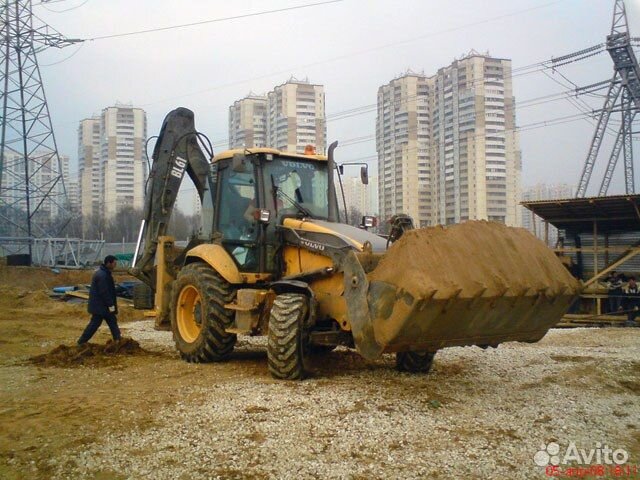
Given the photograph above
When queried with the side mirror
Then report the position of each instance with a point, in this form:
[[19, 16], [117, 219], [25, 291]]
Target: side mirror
[[364, 175], [341, 169], [237, 163]]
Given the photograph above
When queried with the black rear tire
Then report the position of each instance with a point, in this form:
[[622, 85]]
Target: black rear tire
[[212, 343], [321, 349], [287, 346], [414, 362], [142, 297]]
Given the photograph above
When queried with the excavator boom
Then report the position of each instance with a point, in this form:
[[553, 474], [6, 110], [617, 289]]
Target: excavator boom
[[176, 151]]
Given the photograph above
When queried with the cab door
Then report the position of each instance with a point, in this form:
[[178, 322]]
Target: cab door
[[236, 221]]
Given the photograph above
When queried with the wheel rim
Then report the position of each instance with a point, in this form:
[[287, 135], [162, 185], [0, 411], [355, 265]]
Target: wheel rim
[[189, 315]]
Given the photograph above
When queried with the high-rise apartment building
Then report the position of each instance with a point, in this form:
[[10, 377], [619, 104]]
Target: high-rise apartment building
[[112, 164], [123, 132], [89, 177], [288, 118], [47, 196], [196, 204], [447, 146], [296, 117], [73, 194], [69, 188], [403, 141], [475, 145], [248, 122]]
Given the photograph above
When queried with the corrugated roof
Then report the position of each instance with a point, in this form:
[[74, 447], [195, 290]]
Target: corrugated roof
[[616, 213]]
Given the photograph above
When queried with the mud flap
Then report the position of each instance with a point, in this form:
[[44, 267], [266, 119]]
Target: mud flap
[[356, 288]]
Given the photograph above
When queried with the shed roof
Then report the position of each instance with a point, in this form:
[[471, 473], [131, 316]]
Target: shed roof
[[617, 213]]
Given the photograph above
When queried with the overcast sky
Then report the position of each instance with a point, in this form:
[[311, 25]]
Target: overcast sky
[[351, 47]]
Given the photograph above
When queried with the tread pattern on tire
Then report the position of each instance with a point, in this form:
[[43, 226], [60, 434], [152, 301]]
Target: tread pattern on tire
[[286, 345], [414, 362], [142, 297], [214, 343]]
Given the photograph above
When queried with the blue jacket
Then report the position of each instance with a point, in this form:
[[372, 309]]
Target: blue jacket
[[102, 294]]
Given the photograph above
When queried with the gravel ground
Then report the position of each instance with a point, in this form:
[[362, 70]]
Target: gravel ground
[[479, 414]]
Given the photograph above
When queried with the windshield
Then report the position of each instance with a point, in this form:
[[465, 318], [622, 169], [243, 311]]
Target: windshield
[[301, 186]]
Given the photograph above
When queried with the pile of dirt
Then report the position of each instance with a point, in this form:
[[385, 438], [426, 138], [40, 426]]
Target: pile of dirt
[[472, 258], [88, 354], [471, 280], [15, 300], [19, 300], [32, 278]]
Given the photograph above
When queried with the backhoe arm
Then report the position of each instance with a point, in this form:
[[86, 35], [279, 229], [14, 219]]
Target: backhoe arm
[[175, 152]]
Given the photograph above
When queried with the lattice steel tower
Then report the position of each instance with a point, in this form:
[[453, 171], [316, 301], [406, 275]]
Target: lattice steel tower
[[33, 199], [623, 96]]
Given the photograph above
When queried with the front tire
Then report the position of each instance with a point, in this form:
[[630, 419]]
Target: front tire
[[287, 346], [198, 316], [414, 362]]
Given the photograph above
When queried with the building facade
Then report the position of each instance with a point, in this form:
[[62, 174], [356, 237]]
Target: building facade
[[112, 164], [360, 198], [73, 194], [475, 147], [89, 176], [543, 191], [196, 204], [47, 196], [402, 140], [295, 117], [248, 122], [123, 132], [447, 147], [71, 186]]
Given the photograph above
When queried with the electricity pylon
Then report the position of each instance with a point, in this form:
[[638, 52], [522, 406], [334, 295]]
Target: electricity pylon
[[623, 96], [33, 198]]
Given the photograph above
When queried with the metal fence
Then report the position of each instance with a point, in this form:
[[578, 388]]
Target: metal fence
[[55, 252]]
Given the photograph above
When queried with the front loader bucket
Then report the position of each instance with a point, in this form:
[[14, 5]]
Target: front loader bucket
[[476, 283]]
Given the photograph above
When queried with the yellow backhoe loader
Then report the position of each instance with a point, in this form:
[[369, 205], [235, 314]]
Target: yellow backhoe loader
[[274, 257]]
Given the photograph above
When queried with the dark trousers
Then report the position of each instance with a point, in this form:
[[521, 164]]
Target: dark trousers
[[615, 300], [94, 324]]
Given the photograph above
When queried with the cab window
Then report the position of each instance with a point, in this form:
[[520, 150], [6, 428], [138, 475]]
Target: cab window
[[236, 219]]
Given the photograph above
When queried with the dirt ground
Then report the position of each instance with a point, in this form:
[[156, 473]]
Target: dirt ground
[[145, 413]]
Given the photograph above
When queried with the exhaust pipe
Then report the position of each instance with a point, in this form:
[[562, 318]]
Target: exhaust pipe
[[331, 188]]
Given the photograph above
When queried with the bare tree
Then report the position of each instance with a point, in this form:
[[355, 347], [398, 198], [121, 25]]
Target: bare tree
[[94, 226], [182, 226], [124, 225], [354, 216]]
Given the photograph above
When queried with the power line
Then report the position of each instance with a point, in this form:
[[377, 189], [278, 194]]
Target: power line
[[47, 2], [80, 45], [580, 108], [369, 108], [529, 126], [525, 70], [367, 50], [62, 11], [213, 20]]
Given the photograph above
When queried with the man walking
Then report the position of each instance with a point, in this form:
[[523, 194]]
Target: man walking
[[102, 302]]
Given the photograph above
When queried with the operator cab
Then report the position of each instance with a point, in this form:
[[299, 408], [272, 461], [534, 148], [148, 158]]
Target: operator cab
[[255, 190]]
